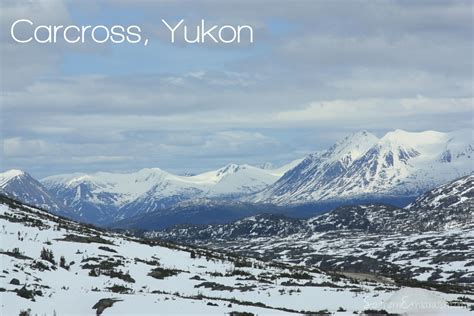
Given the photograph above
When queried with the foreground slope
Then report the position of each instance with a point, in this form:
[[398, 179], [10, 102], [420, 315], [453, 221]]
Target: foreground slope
[[54, 266], [113, 274]]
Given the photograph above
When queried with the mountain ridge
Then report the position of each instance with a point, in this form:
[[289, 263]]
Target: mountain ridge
[[20, 185], [399, 163], [398, 166], [120, 195]]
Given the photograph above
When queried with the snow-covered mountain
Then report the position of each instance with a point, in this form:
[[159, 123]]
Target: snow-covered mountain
[[398, 164], [100, 196], [362, 167], [280, 171], [21, 186]]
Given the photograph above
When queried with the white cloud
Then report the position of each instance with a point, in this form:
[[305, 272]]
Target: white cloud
[[17, 147], [380, 110], [317, 71]]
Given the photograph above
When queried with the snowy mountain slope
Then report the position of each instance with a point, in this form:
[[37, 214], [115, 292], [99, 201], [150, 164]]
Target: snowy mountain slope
[[374, 218], [239, 179], [399, 164], [317, 170], [439, 258], [431, 239], [447, 207], [280, 171], [21, 186], [456, 194], [55, 266], [264, 225], [102, 196]]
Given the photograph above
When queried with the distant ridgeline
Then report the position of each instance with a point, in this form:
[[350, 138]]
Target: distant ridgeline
[[359, 169]]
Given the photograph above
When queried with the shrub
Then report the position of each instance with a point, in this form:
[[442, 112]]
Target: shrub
[[234, 313], [120, 289], [104, 248], [62, 263], [15, 281], [120, 275], [25, 313], [161, 273], [296, 275], [25, 293], [47, 254]]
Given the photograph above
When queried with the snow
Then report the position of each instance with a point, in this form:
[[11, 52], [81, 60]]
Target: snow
[[279, 172], [415, 301], [352, 147], [400, 163], [73, 291], [152, 184], [425, 142], [7, 176]]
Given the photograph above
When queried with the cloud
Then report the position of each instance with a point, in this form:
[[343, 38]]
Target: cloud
[[317, 71], [413, 113], [18, 147], [21, 66]]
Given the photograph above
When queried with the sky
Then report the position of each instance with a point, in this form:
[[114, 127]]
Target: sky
[[317, 71]]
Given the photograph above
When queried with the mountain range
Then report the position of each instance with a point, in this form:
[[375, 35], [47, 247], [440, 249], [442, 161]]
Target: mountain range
[[105, 196], [361, 167]]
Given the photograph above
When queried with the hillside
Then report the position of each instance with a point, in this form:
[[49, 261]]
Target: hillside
[[50, 262], [430, 240]]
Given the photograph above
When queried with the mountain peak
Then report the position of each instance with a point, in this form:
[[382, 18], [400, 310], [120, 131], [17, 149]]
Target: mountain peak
[[13, 173], [400, 163], [19, 185], [9, 175], [231, 168], [352, 146], [150, 170], [357, 138]]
